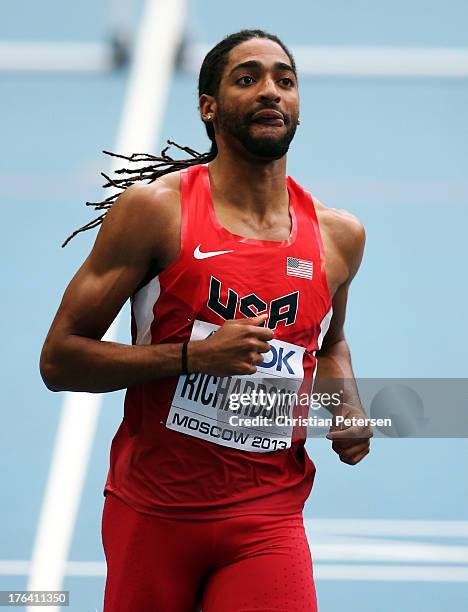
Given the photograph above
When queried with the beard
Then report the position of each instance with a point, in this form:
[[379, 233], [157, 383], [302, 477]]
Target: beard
[[267, 146]]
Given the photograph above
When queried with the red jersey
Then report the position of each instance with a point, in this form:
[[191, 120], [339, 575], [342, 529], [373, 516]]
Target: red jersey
[[178, 451]]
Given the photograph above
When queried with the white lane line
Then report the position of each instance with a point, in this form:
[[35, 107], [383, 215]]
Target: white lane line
[[150, 76], [23, 56], [86, 568], [387, 550], [364, 61], [382, 61], [390, 573], [80, 569], [14, 568], [383, 527]]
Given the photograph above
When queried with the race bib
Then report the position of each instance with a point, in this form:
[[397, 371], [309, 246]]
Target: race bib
[[247, 412]]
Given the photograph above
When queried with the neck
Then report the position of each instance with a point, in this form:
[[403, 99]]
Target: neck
[[254, 186]]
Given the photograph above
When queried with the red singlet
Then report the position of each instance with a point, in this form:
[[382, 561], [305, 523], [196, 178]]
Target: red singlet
[[176, 453]]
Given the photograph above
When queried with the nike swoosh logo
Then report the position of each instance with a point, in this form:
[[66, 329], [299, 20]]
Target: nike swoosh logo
[[202, 255]]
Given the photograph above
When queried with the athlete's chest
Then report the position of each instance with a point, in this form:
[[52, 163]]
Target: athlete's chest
[[221, 275], [226, 281]]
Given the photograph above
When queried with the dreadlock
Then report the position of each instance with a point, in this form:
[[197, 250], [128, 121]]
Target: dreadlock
[[158, 165]]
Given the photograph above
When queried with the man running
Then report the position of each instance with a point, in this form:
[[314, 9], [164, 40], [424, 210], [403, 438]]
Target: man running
[[238, 281]]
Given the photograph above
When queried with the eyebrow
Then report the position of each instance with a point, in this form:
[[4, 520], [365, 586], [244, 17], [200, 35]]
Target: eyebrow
[[258, 65]]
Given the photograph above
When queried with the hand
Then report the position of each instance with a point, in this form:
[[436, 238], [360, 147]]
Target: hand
[[351, 442], [235, 348]]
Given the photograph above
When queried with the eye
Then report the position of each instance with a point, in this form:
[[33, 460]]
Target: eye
[[287, 81], [243, 79]]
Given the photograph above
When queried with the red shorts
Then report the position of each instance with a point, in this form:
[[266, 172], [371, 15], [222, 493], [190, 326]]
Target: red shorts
[[252, 563]]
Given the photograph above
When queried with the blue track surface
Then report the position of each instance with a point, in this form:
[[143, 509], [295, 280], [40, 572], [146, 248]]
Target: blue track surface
[[392, 151]]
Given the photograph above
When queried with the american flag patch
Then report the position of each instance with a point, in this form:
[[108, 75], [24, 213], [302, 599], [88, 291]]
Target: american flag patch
[[299, 267]]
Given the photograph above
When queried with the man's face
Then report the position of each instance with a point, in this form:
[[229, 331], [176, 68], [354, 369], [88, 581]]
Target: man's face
[[258, 101]]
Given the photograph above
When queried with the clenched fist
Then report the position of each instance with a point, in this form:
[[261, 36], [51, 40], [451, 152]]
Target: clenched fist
[[235, 348]]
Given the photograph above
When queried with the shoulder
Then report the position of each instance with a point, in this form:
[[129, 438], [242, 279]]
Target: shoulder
[[345, 232], [144, 216], [143, 205], [153, 197]]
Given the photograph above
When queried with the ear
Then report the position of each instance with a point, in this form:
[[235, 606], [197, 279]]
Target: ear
[[207, 106]]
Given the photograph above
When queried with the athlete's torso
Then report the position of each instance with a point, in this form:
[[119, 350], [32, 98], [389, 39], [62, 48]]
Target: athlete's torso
[[175, 452]]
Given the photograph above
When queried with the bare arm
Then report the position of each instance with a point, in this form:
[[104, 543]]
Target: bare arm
[[143, 225], [74, 357], [334, 358]]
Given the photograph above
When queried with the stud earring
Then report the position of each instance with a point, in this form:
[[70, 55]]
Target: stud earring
[[298, 121]]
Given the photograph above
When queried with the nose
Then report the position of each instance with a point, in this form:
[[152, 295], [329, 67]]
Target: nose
[[269, 90]]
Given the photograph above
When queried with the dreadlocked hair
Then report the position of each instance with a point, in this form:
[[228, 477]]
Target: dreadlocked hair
[[159, 166], [209, 80]]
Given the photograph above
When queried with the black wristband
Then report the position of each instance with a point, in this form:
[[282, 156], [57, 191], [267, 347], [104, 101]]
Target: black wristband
[[184, 357]]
